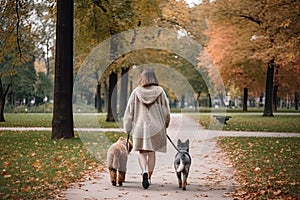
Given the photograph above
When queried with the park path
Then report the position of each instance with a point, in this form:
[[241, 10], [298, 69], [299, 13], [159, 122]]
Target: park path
[[211, 176]]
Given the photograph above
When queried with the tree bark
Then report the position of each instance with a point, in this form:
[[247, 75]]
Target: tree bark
[[2, 104], [197, 103], [62, 122], [245, 100], [296, 101], [275, 91], [209, 100], [124, 91], [268, 111], [98, 99], [3, 94], [113, 78], [112, 98]]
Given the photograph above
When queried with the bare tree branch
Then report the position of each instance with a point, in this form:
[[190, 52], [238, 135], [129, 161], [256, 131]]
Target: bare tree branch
[[18, 26], [99, 4], [3, 12], [253, 19], [7, 89]]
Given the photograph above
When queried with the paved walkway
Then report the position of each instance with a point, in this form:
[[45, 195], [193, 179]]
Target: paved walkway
[[211, 176]]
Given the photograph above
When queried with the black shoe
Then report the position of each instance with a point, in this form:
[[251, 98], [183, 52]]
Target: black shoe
[[145, 182]]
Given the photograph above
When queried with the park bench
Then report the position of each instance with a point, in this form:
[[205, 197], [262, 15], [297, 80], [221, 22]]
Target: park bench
[[222, 119]]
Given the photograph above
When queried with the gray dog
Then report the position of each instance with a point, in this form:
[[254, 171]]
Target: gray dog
[[182, 163]]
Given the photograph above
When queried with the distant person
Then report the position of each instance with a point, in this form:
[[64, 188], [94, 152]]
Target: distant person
[[147, 116]]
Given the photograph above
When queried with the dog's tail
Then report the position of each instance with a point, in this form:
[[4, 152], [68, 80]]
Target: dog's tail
[[181, 166]]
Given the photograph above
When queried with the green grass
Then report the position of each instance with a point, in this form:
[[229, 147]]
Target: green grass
[[45, 108], [27, 120], [35, 167], [254, 122], [91, 120], [267, 167], [94, 121], [249, 110]]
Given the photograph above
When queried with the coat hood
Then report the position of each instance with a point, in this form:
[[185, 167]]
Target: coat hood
[[147, 95]]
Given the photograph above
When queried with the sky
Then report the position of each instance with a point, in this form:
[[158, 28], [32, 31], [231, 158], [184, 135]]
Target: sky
[[192, 2]]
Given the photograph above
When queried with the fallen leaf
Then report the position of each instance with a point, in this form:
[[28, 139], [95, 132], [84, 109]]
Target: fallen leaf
[[276, 193], [32, 155], [7, 176], [6, 164], [257, 169], [262, 192]]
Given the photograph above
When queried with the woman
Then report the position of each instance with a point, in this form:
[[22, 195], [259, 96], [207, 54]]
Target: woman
[[147, 116]]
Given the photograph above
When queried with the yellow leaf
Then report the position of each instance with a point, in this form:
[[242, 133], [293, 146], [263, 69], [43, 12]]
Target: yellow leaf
[[32, 155]]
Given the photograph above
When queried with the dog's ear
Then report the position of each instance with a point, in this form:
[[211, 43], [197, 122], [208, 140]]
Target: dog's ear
[[187, 142], [179, 142]]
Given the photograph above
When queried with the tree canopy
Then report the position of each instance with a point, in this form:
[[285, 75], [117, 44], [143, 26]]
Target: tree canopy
[[246, 35]]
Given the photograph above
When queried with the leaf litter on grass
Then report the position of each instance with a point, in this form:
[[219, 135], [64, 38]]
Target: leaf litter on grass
[[267, 167], [36, 167]]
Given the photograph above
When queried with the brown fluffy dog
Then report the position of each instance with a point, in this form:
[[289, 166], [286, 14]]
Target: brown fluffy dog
[[117, 155]]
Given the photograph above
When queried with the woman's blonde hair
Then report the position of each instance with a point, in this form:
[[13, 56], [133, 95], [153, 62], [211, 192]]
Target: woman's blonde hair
[[148, 78]]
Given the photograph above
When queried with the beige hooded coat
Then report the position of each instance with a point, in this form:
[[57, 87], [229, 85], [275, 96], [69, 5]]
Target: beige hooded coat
[[147, 116]]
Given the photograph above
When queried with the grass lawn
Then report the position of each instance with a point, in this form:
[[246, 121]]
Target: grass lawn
[[91, 120], [35, 167], [268, 168], [27, 120], [254, 122]]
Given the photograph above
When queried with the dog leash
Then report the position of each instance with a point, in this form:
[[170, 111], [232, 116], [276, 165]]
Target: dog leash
[[173, 143], [127, 142], [128, 136]]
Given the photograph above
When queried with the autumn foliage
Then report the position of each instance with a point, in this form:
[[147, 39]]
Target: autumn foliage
[[244, 36]]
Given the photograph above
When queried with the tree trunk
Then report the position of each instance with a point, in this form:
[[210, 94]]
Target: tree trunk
[[2, 100], [209, 100], [112, 98], [182, 101], [62, 122], [222, 100], [98, 99], [2, 104], [275, 91], [105, 96], [268, 112], [124, 91], [296, 101], [113, 78], [245, 100]]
